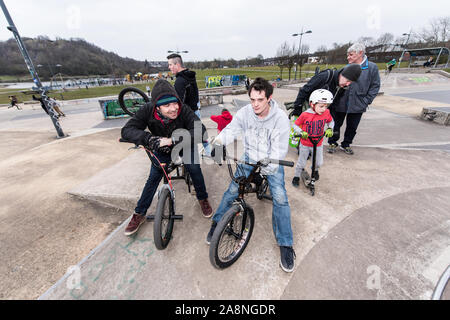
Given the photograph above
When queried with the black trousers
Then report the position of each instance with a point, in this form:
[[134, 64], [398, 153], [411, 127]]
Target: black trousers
[[352, 123]]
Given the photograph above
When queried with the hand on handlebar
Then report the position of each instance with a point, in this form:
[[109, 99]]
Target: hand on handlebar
[[304, 135], [219, 155]]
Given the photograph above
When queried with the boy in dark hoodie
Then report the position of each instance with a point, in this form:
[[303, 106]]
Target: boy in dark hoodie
[[222, 120], [162, 116]]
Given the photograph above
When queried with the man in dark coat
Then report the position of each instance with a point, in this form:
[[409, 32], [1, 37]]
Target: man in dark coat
[[335, 81], [162, 116], [356, 99]]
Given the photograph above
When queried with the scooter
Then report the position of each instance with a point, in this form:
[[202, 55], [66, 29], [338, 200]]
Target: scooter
[[309, 181]]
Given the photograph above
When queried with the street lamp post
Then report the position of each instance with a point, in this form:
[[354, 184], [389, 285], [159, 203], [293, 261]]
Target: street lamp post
[[178, 52], [299, 47], [404, 48]]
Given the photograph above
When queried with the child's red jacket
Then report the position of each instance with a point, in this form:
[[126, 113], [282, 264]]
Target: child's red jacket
[[222, 120], [314, 124]]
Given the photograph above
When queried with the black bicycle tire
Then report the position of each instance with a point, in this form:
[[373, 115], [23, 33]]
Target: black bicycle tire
[[161, 241], [122, 95], [220, 229]]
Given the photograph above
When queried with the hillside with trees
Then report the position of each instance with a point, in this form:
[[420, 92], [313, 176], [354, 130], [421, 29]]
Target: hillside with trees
[[73, 57]]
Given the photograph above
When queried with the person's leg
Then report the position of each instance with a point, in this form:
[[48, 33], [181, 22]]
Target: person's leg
[[353, 120], [151, 186], [338, 118], [229, 196], [302, 158], [198, 180], [319, 157], [281, 211], [206, 146]]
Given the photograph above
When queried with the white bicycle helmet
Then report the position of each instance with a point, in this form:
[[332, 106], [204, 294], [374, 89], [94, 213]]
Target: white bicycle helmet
[[322, 96]]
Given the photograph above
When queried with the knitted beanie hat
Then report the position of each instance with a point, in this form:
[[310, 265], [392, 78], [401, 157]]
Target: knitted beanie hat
[[166, 99], [352, 72]]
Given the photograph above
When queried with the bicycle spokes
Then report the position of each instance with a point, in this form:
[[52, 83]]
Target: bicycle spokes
[[233, 237]]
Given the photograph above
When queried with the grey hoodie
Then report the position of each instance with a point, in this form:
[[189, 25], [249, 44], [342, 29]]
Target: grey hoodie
[[262, 138]]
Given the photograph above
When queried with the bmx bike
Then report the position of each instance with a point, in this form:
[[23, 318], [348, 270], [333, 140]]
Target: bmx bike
[[234, 230], [131, 99], [165, 214]]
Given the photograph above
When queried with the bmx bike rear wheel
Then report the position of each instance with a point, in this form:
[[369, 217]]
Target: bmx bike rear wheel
[[132, 99]]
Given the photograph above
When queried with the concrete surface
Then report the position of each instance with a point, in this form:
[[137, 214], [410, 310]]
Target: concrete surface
[[378, 227]]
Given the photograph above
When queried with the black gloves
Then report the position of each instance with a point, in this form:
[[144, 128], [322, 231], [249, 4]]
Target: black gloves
[[153, 143], [221, 153], [297, 111]]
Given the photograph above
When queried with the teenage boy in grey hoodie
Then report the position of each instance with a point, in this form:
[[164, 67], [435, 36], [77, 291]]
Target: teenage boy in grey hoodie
[[264, 129]]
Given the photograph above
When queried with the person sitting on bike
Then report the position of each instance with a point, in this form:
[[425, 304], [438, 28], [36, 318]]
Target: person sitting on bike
[[162, 116], [312, 122], [264, 128], [391, 64]]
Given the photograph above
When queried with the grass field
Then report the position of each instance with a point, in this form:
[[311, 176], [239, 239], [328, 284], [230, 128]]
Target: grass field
[[270, 73]]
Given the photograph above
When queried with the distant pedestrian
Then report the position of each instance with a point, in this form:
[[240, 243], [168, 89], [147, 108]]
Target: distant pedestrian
[[222, 120], [247, 83], [14, 102], [56, 106], [42, 103]]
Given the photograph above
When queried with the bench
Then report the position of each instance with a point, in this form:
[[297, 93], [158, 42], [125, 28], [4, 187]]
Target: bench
[[418, 63]]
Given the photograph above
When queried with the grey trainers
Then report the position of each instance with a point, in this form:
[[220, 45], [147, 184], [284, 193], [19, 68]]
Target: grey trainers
[[332, 148], [347, 150], [287, 257], [211, 232]]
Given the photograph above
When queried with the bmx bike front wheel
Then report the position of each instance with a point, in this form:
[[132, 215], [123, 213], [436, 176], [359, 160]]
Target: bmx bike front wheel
[[231, 237]]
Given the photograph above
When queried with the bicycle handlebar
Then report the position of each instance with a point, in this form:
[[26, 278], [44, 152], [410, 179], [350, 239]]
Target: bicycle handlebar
[[313, 139]]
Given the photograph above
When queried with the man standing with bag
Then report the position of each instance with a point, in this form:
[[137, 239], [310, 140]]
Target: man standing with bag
[[335, 81]]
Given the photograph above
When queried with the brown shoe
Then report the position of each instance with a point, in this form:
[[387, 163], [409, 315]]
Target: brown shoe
[[206, 208], [135, 223]]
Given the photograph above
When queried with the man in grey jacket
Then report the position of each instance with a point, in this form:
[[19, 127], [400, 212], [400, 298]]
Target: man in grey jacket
[[355, 100], [264, 129]]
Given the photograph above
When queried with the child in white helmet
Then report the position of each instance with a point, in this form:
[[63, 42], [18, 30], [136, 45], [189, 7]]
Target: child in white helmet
[[312, 122]]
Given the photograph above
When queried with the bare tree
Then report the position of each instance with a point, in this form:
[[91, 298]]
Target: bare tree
[[385, 40], [437, 32], [367, 41], [281, 58]]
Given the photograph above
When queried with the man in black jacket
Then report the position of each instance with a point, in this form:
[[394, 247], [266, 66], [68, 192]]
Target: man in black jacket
[[186, 87], [185, 83], [162, 116], [335, 81]]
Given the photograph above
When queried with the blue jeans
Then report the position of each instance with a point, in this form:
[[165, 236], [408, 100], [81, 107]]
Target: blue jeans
[[205, 145], [156, 174], [281, 212]]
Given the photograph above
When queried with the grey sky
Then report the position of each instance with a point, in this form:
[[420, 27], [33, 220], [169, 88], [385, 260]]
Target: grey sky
[[146, 29]]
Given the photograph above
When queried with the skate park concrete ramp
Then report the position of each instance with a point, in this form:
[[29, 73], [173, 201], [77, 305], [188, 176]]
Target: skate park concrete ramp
[[426, 86], [377, 227], [388, 213]]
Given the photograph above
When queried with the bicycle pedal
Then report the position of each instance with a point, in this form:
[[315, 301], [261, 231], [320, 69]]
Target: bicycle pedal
[[151, 217], [177, 217]]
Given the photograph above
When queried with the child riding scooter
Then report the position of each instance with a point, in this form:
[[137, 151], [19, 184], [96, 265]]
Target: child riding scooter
[[310, 126]]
